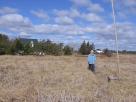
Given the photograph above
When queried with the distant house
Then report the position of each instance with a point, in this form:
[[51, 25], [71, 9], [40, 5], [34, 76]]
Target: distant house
[[25, 40], [31, 41], [99, 51]]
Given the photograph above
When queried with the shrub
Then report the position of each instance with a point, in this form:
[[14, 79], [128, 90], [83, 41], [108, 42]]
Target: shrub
[[107, 52], [68, 50]]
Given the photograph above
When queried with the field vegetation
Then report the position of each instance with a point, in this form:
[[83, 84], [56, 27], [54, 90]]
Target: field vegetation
[[66, 79]]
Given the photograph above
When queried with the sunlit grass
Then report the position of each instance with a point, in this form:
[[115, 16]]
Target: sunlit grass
[[65, 79]]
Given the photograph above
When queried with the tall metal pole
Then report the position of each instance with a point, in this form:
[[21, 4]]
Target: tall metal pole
[[116, 35]]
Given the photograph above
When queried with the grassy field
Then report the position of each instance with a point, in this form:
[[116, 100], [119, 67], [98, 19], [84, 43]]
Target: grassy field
[[66, 79]]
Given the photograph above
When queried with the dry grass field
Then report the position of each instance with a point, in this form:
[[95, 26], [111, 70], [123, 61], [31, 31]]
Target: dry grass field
[[66, 79]]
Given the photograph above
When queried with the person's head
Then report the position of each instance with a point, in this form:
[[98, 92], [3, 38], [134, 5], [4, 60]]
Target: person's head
[[91, 52]]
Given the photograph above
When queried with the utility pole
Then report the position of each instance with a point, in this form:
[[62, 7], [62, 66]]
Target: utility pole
[[116, 35]]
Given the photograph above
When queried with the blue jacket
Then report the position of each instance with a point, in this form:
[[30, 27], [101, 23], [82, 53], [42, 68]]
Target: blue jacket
[[91, 59]]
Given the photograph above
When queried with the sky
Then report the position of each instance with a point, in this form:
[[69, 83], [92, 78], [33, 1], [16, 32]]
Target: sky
[[71, 21]]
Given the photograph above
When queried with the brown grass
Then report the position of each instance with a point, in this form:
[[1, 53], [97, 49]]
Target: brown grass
[[66, 79]]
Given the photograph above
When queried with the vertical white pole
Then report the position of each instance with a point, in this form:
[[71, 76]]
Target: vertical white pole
[[116, 36]]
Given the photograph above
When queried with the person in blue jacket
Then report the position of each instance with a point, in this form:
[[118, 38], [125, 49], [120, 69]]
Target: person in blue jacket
[[91, 61]]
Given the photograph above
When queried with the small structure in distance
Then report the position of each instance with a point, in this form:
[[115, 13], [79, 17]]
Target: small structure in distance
[[99, 51]]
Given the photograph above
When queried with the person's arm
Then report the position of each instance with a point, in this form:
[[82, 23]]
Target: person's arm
[[95, 58], [88, 59]]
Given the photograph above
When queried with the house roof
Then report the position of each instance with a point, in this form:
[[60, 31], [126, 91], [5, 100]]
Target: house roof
[[25, 40]]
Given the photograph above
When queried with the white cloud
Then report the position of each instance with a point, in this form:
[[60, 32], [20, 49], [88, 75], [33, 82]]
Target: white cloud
[[92, 17], [129, 2], [64, 20], [71, 13], [126, 9], [13, 19], [19, 23], [74, 13], [15, 22], [68, 16], [7, 10], [70, 37], [40, 14], [24, 35], [102, 31], [58, 29], [127, 30], [46, 28], [81, 2], [94, 7], [84, 37], [61, 12]]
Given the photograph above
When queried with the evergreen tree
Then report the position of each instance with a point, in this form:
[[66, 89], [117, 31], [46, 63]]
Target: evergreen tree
[[83, 48], [92, 46], [4, 44], [68, 50], [17, 46], [3, 38], [88, 47], [28, 49]]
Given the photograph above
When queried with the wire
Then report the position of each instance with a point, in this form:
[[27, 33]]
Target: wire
[[116, 35]]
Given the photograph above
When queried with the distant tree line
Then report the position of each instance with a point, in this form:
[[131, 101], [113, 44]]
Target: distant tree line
[[48, 47], [127, 52]]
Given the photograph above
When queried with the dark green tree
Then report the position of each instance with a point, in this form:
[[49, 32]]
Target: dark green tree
[[83, 48], [89, 47], [4, 44], [3, 38], [68, 50], [92, 46], [28, 49], [17, 46], [49, 48]]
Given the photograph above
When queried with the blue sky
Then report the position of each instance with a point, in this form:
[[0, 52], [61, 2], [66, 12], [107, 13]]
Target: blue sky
[[70, 21]]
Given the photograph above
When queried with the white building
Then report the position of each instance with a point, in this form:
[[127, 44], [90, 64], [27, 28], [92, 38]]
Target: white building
[[99, 51]]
